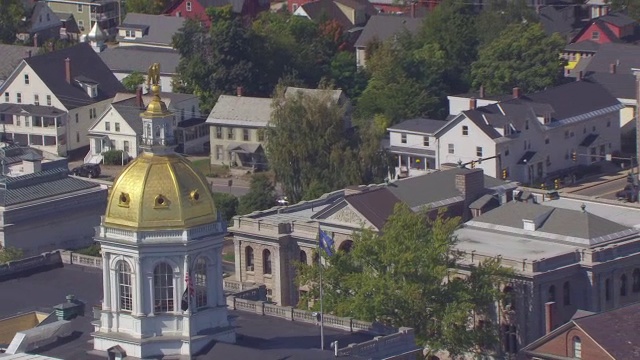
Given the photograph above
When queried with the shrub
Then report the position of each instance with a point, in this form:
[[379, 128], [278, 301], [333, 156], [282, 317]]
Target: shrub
[[93, 250], [113, 157]]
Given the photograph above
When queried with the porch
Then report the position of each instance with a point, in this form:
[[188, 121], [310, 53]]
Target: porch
[[247, 155], [413, 162], [99, 144]]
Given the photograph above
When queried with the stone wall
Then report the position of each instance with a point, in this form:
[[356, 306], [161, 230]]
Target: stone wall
[[30, 265]]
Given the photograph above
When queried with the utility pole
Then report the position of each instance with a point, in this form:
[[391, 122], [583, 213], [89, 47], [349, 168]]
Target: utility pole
[[636, 72]]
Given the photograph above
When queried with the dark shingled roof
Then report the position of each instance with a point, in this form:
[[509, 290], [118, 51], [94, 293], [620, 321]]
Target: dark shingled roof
[[156, 29], [40, 110], [258, 337], [625, 56], [139, 58], [375, 205], [383, 27], [427, 126], [11, 56], [558, 18], [622, 86], [618, 19], [587, 46], [40, 185], [84, 61]]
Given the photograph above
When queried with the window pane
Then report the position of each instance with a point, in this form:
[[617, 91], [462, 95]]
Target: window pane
[[163, 288]]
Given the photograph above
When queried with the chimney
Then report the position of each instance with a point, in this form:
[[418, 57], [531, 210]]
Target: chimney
[[413, 9], [612, 68], [67, 70], [470, 183], [139, 97], [28, 54], [239, 91], [31, 163], [580, 75], [548, 317], [481, 92], [473, 103], [516, 92], [35, 40]]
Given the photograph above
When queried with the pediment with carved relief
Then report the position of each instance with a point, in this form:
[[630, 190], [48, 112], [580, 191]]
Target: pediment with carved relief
[[347, 215]]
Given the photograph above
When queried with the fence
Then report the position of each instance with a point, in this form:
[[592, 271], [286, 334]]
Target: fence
[[69, 257], [30, 265]]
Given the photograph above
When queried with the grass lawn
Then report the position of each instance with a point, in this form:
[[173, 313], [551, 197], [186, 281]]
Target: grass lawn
[[228, 257], [210, 170]]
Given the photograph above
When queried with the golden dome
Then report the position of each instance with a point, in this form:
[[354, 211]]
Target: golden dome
[[158, 192], [157, 107]]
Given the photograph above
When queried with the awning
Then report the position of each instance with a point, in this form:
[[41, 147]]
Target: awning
[[244, 148], [526, 158], [411, 151], [588, 140]]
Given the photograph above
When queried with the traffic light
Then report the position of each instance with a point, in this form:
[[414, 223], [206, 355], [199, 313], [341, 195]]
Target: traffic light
[[543, 186], [504, 174], [473, 164], [556, 184], [574, 156]]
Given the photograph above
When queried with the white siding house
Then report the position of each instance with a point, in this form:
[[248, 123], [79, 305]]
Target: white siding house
[[414, 145]]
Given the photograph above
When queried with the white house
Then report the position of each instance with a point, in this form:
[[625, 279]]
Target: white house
[[50, 100], [414, 144], [534, 137], [120, 127]]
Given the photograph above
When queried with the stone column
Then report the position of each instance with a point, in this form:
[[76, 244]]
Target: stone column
[[152, 304], [239, 259], [191, 300], [212, 282], [106, 285], [177, 294], [113, 281], [218, 278], [139, 305]]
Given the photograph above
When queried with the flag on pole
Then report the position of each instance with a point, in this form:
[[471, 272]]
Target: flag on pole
[[189, 281], [326, 242]]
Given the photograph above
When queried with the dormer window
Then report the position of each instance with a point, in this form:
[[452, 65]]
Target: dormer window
[[129, 33], [92, 90]]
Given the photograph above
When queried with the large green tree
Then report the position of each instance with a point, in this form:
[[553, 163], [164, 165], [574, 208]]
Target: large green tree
[[307, 144], [261, 195], [217, 61], [226, 204], [631, 7], [132, 81], [524, 56], [154, 7], [406, 276], [496, 15], [11, 14]]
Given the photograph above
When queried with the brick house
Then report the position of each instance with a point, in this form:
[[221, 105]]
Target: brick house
[[607, 335], [196, 9]]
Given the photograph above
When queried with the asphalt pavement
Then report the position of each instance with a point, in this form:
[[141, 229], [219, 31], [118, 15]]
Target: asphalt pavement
[[604, 190]]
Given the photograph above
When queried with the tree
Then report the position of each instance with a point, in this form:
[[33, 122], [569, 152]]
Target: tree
[[154, 7], [132, 81], [11, 14], [216, 61], [227, 205], [631, 7], [261, 195], [307, 143], [496, 15], [397, 277], [8, 254], [345, 74], [524, 56]]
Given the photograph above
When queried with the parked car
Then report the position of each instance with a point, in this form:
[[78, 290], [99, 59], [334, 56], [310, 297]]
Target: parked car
[[282, 201], [87, 170], [628, 194]]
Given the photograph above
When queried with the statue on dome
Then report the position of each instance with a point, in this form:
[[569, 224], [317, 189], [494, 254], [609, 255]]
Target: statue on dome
[[153, 77]]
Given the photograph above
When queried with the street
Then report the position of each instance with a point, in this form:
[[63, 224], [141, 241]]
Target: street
[[222, 186], [606, 190]]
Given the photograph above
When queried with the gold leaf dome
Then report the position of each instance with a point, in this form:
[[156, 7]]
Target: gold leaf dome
[[159, 192]]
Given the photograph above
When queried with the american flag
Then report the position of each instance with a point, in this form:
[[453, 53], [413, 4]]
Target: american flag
[[189, 281]]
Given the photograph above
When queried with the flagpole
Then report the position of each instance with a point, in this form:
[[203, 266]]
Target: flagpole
[[321, 306]]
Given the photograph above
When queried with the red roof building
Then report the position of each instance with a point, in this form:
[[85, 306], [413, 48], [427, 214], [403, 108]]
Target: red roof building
[[196, 9]]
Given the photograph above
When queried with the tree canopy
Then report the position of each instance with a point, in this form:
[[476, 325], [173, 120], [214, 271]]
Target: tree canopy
[[154, 7], [11, 14], [8, 254], [523, 56], [132, 81], [226, 204], [406, 276], [261, 195]]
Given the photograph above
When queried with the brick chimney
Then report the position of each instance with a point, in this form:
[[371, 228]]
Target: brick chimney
[[471, 184], [239, 91], [139, 97], [35, 40], [67, 70], [481, 92], [516, 92], [612, 68], [548, 316], [473, 103]]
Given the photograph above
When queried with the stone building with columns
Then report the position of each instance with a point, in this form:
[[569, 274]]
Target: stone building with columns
[[161, 241]]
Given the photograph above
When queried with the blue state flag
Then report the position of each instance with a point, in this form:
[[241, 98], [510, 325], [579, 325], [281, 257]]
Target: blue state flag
[[326, 242]]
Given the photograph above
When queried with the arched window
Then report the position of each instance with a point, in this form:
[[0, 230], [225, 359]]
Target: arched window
[[623, 285], [636, 280], [552, 294], [577, 348], [163, 288], [303, 256], [509, 299], [200, 282], [566, 293], [266, 261], [248, 258], [124, 286], [607, 289]]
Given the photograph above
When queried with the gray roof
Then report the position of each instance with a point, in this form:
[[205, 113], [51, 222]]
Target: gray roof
[[40, 185], [424, 126], [241, 111], [558, 18], [159, 28], [10, 57], [130, 113], [622, 86], [588, 46], [439, 186], [383, 27], [38, 110], [139, 58], [411, 150], [618, 19], [558, 101], [292, 91], [569, 226], [625, 56]]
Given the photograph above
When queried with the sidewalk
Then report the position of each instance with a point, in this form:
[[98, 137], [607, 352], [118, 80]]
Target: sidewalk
[[595, 181]]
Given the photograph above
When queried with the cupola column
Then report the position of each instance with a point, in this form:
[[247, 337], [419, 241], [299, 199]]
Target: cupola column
[[139, 306]]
